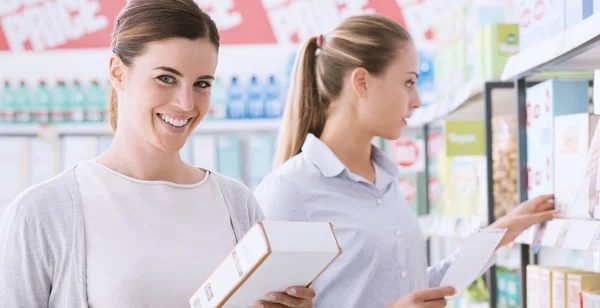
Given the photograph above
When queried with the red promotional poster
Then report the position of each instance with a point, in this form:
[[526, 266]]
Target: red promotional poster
[[41, 25]]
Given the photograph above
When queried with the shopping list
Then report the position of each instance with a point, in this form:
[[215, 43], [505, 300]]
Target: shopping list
[[474, 254]]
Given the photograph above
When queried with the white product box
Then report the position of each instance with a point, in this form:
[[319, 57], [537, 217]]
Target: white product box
[[545, 101], [533, 286], [577, 10], [554, 18], [573, 134], [540, 20], [271, 257], [408, 153]]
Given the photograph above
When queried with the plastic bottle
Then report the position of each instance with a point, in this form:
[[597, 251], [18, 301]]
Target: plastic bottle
[[255, 107], [273, 102], [77, 103], [218, 101], [23, 103], [235, 100], [96, 103], [41, 104], [59, 103], [7, 104]]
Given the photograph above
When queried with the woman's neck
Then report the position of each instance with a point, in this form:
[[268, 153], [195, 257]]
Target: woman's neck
[[131, 156], [351, 146]]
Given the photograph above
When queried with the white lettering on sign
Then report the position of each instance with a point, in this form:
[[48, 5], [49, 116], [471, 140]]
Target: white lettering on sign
[[49, 24], [222, 13], [299, 20], [462, 139]]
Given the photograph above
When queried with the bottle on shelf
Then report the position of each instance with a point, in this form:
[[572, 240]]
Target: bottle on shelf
[[77, 103], [273, 102], [23, 103], [255, 106], [218, 101], [41, 104], [59, 104], [96, 103], [7, 104], [235, 100]]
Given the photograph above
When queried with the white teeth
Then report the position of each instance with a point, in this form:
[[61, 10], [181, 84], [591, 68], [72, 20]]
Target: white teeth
[[173, 121]]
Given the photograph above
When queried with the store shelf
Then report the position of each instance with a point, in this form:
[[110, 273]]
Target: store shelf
[[448, 104], [101, 129], [576, 49], [567, 234], [452, 227]]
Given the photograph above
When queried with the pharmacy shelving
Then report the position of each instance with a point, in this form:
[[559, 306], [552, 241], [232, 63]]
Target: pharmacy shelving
[[451, 227], [101, 129], [566, 233], [575, 49]]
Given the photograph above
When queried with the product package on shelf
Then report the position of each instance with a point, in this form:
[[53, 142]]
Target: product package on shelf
[[408, 153], [560, 292], [590, 299], [465, 193], [260, 263], [578, 282], [496, 43], [533, 286], [436, 145], [504, 154], [577, 10], [540, 20], [573, 134], [545, 287], [545, 101], [261, 149], [508, 290], [229, 153]]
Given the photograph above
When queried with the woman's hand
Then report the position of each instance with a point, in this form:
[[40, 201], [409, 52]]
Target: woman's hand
[[426, 298], [295, 297], [525, 215]]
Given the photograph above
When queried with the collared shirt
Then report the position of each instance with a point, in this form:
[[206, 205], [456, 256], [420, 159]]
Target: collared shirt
[[384, 254]]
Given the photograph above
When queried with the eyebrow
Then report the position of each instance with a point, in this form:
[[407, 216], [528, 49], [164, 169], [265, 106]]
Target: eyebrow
[[411, 72], [178, 73]]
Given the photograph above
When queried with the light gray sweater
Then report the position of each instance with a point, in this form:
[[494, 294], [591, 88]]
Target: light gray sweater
[[42, 241]]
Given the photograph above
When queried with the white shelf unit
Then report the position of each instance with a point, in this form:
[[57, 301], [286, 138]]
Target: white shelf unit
[[451, 227], [568, 234], [102, 129]]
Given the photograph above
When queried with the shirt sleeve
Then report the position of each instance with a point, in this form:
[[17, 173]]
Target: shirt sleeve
[[436, 272], [274, 192], [24, 277]]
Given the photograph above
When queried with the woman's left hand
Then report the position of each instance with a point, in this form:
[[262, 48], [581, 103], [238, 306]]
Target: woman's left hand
[[525, 215], [295, 297]]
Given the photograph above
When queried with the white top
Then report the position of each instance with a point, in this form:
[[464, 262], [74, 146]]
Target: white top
[[150, 243]]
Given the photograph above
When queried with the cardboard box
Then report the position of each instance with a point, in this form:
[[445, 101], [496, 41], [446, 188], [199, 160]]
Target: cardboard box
[[533, 286], [573, 135], [540, 20], [260, 263], [498, 43], [545, 287], [577, 282], [577, 10], [559, 287], [545, 101]]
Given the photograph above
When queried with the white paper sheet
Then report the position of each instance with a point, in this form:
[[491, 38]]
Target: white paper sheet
[[473, 255]]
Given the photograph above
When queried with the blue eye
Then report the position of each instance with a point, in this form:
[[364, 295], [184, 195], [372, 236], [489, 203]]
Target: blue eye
[[166, 79], [202, 84]]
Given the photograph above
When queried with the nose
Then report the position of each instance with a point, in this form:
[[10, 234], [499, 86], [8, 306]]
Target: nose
[[415, 101], [185, 99]]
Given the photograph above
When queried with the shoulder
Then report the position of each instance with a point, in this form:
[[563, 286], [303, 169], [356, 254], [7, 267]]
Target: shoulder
[[232, 189], [50, 202]]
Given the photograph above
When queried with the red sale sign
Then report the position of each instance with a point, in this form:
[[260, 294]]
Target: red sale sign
[[39, 25]]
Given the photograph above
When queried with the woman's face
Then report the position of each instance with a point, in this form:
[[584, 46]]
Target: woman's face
[[392, 96], [165, 92]]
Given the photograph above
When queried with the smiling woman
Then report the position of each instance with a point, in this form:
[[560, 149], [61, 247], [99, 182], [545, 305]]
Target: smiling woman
[[137, 226]]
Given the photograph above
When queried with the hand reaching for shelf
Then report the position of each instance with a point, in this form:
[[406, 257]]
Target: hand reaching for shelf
[[525, 215]]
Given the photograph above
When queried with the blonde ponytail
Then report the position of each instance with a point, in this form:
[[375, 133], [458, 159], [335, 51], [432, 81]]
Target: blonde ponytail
[[304, 111]]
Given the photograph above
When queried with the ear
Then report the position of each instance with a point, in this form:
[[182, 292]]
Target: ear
[[116, 72], [359, 78]]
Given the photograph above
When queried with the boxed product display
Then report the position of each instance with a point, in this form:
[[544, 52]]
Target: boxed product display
[[508, 290], [497, 42], [504, 155], [559, 286], [540, 20], [578, 282], [577, 10], [590, 299], [545, 287], [412, 189], [545, 101], [408, 152], [533, 286], [572, 137], [260, 263]]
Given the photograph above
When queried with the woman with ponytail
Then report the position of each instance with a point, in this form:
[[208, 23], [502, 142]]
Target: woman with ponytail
[[348, 87], [136, 227]]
